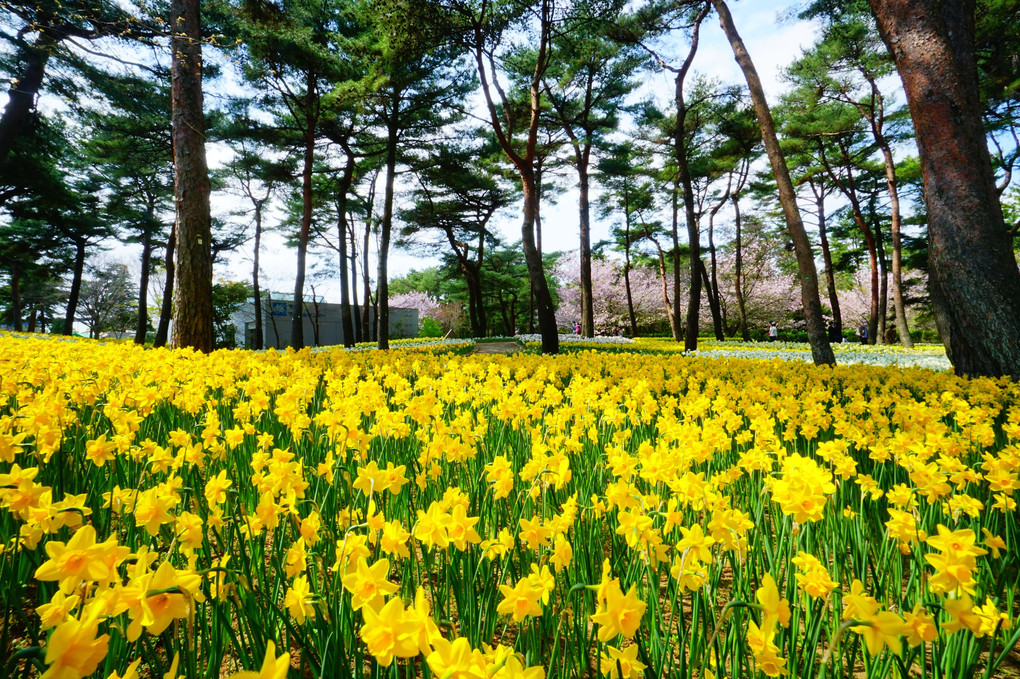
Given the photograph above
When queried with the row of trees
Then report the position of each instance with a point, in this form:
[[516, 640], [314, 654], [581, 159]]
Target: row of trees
[[473, 105]]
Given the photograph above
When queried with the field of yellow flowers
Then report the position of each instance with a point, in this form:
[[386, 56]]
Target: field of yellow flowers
[[421, 513]]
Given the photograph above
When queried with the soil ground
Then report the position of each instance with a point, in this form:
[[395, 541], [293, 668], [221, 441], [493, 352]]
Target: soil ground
[[497, 348]]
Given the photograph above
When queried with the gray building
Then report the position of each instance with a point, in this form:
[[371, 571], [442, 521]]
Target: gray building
[[322, 323]]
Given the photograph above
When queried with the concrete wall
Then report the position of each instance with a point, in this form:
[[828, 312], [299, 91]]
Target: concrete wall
[[322, 323]]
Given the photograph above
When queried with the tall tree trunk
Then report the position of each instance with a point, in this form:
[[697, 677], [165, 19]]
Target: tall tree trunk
[[193, 326], [873, 110], [366, 302], [479, 298], [24, 90], [670, 310], [346, 321], [166, 309], [16, 297], [366, 281], [313, 318], [297, 328], [258, 341], [973, 276], [675, 327], [821, 350], [483, 328], [587, 303], [693, 232], [509, 329], [272, 321], [355, 302], [848, 188], [626, 269], [869, 240], [382, 284], [738, 275], [902, 329], [525, 165], [712, 294], [712, 280], [142, 326], [883, 285], [75, 291], [476, 310], [830, 275], [684, 175], [533, 258], [472, 272], [538, 242]]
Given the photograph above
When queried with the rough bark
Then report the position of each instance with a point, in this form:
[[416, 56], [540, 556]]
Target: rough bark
[[821, 351], [193, 326], [973, 276]]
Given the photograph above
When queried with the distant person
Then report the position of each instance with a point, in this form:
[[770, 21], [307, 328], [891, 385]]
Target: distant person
[[835, 336], [577, 328], [773, 331], [862, 333]]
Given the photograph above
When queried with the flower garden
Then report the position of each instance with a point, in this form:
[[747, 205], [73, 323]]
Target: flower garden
[[426, 513]]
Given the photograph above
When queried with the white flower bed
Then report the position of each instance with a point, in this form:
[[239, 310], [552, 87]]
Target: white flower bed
[[577, 339], [408, 343], [902, 359]]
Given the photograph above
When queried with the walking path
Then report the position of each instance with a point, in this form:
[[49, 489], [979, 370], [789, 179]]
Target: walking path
[[497, 348]]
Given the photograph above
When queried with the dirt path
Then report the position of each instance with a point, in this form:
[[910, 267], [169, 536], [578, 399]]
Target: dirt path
[[497, 348]]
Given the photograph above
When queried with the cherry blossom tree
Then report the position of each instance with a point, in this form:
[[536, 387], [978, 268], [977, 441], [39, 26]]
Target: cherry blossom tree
[[449, 315], [609, 299]]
